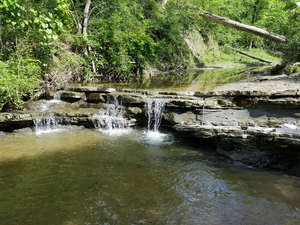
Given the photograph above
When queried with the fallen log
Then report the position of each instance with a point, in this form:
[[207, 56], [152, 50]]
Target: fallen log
[[238, 26], [251, 56], [243, 27]]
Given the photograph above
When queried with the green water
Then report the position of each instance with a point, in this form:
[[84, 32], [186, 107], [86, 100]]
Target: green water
[[186, 80], [89, 177]]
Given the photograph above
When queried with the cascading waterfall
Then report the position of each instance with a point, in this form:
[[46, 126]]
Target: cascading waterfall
[[57, 96], [49, 122], [154, 110], [51, 103], [154, 114], [110, 118]]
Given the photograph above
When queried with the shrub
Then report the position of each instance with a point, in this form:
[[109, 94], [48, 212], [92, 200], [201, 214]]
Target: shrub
[[19, 77]]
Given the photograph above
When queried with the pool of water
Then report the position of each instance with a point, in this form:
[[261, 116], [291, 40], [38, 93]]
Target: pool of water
[[93, 177], [186, 80]]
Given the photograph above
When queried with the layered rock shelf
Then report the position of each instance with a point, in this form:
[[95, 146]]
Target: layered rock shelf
[[243, 126]]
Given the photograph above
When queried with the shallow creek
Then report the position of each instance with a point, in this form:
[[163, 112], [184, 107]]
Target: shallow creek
[[86, 176], [185, 80]]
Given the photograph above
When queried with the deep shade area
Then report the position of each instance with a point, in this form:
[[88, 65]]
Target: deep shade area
[[90, 177]]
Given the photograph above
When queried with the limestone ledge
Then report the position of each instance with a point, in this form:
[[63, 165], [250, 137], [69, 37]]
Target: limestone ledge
[[251, 146], [202, 131], [284, 93]]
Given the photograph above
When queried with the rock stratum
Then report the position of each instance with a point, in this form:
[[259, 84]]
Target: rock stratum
[[244, 126]]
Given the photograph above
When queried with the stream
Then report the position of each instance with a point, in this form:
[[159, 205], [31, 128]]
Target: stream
[[58, 173], [85, 176]]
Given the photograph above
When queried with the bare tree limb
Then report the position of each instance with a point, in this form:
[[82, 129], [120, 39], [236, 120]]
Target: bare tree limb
[[84, 31], [78, 21], [239, 26], [90, 13], [73, 17], [243, 27]]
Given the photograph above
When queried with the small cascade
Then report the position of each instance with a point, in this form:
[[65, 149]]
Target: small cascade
[[53, 103], [154, 114], [154, 110], [57, 97], [110, 118], [49, 123]]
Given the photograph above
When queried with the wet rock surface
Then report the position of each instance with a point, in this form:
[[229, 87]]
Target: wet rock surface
[[252, 146], [242, 125]]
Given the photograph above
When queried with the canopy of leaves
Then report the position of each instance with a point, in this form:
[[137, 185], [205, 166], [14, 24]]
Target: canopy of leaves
[[126, 36]]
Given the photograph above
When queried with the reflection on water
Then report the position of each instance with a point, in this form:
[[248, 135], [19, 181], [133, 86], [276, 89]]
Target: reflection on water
[[187, 80], [87, 177]]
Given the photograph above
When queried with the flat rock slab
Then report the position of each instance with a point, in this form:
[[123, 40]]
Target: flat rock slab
[[93, 89], [71, 95], [203, 131]]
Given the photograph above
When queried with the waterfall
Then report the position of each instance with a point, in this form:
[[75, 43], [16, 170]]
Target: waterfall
[[57, 96], [110, 118], [154, 114], [154, 111], [53, 103], [49, 123]]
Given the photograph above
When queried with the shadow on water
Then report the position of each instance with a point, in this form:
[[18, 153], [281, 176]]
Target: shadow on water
[[85, 177]]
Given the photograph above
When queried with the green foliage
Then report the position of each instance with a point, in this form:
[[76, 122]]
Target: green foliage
[[126, 37], [66, 66], [292, 48], [131, 35], [36, 24], [19, 77]]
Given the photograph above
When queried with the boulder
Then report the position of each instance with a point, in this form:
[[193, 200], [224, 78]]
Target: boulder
[[72, 96], [95, 97], [180, 118], [134, 111]]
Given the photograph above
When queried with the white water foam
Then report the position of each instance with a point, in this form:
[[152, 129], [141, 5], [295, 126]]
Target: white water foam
[[154, 112], [155, 138], [110, 120], [50, 124], [51, 103]]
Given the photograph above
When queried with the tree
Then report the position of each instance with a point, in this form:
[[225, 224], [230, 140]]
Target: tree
[[239, 26]]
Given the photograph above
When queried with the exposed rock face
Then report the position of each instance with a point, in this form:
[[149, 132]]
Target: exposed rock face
[[253, 146], [72, 96], [95, 97], [243, 125]]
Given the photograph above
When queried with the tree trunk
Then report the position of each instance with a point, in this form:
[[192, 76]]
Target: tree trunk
[[84, 30], [254, 17], [240, 26], [86, 17], [252, 56], [164, 2], [243, 27]]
